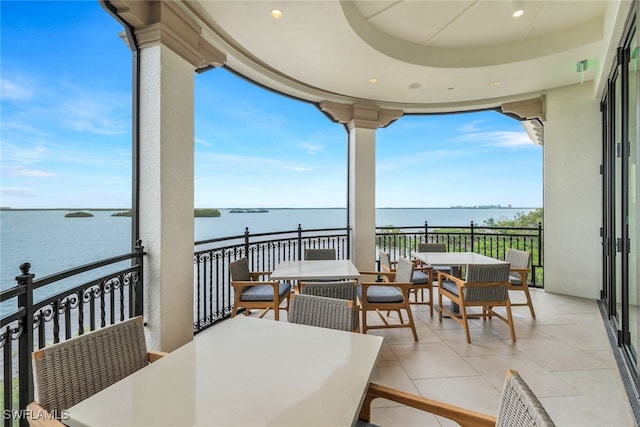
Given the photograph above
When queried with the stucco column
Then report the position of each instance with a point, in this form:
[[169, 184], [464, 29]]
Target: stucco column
[[362, 122], [171, 48], [166, 195]]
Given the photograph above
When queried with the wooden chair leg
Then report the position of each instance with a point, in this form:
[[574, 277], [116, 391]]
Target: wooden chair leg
[[529, 302]]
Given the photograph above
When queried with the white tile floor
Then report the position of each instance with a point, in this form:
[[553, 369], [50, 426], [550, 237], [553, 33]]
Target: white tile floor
[[564, 355]]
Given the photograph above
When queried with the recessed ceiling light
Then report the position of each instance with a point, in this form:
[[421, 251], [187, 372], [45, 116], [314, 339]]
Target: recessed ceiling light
[[495, 83], [372, 80], [449, 88], [414, 85], [518, 8], [276, 13]]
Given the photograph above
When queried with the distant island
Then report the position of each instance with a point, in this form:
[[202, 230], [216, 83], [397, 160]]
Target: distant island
[[197, 213], [79, 215], [248, 211], [206, 213]]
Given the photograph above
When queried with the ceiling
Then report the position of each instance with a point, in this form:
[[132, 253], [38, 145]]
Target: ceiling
[[425, 56]]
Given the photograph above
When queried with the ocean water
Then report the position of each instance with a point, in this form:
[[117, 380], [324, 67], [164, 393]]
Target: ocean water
[[52, 243]]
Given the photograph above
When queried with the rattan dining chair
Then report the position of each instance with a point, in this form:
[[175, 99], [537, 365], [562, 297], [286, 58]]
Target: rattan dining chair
[[422, 278], [520, 266], [71, 371], [323, 312], [392, 294], [485, 286], [518, 407], [319, 254], [252, 293], [341, 289]]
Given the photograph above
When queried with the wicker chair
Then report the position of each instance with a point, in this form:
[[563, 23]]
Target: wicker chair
[[343, 289], [518, 406], [66, 373], [520, 266], [391, 295], [486, 286], [435, 247], [319, 254], [252, 293], [422, 279], [323, 312]]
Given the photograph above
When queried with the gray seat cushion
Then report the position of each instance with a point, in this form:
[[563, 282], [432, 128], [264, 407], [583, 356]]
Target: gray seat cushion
[[420, 278], [376, 294], [450, 286], [515, 279], [264, 292]]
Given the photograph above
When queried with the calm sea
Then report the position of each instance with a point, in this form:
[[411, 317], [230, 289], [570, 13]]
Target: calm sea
[[53, 243]]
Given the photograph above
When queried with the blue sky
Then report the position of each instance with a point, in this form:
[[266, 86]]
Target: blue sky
[[65, 125]]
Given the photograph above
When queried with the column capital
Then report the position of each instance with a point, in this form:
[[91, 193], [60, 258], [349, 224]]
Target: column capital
[[360, 115], [163, 22]]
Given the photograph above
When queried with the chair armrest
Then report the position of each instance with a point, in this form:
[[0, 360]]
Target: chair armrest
[[462, 416], [243, 283], [256, 274], [152, 355], [446, 276], [37, 416]]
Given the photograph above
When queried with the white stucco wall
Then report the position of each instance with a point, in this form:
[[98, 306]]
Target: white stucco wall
[[166, 196], [362, 197], [572, 192]]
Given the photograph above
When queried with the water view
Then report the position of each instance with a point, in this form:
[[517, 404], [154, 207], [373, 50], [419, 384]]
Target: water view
[[53, 243]]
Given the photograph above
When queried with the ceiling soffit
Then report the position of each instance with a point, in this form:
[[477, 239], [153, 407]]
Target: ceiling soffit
[[467, 46]]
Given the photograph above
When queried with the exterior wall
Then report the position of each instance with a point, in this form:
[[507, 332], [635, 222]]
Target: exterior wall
[[166, 196], [572, 192]]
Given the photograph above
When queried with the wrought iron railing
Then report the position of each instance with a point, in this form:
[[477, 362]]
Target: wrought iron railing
[[41, 312], [490, 241], [58, 307], [213, 294]]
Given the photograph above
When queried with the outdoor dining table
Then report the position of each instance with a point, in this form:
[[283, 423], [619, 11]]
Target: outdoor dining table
[[244, 372], [315, 270], [456, 260]]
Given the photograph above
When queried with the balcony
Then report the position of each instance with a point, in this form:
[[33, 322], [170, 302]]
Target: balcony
[[564, 354]]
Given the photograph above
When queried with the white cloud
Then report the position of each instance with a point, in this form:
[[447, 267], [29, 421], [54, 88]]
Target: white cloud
[[33, 173], [14, 90], [501, 138], [472, 126], [311, 148]]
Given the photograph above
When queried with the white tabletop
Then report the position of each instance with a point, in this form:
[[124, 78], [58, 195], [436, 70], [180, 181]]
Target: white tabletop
[[315, 270], [244, 372], [454, 258]]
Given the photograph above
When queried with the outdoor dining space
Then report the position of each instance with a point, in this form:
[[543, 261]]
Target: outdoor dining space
[[563, 354], [289, 367]]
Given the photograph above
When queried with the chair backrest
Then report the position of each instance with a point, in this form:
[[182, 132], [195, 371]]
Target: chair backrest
[[487, 273], [322, 312], [404, 271], [343, 289], [66, 373], [319, 254], [432, 247], [385, 262], [240, 270], [519, 406], [517, 258]]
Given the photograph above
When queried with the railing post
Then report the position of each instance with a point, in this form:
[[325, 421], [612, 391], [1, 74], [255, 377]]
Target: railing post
[[299, 241], [426, 232], [139, 285], [472, 238], [25, 343], [246, 242], [540, 249]]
